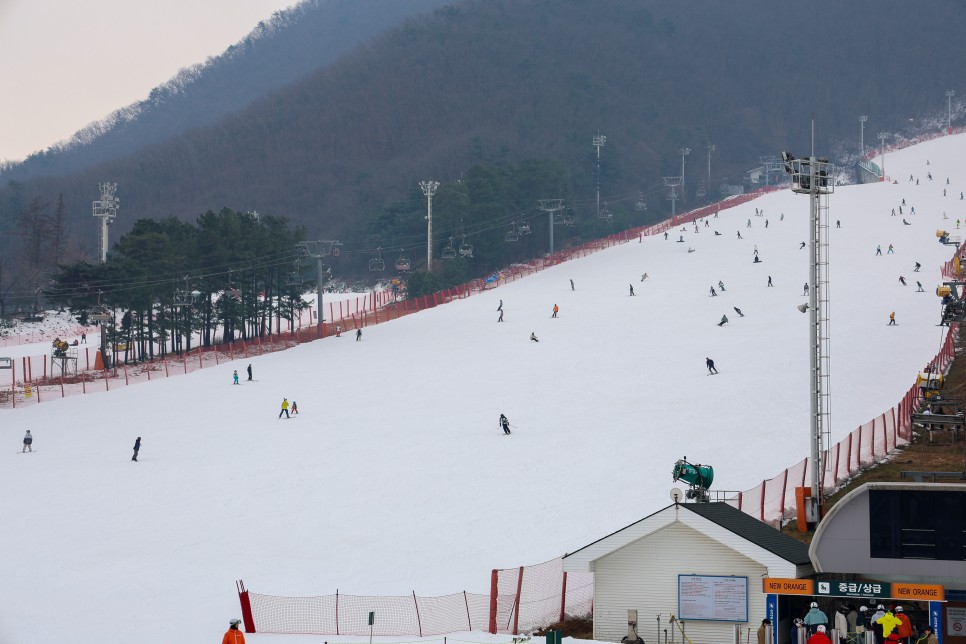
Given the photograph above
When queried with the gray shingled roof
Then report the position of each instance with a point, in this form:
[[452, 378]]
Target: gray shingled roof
[[753, 530]]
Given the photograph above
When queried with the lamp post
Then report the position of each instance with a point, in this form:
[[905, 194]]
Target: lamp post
[[599, 142], [429, 189], [949, 108], [862, 120], [882, 137], [711, 148]]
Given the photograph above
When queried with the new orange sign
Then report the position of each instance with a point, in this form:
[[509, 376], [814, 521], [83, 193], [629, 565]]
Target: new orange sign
[[780, 586], [916, 592]]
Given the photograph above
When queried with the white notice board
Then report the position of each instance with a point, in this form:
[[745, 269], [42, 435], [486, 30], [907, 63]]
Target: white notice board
[[710, 597]]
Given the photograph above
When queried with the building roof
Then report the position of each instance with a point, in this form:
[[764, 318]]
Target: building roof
[[753, 530]]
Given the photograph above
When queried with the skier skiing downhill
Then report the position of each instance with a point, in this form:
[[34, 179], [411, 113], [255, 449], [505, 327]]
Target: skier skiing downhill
[[902, 280], [713, 293], [724, 320], [284, 408], [505, 423], [28, 440], [632, 290], [710, 363], [721, 286]]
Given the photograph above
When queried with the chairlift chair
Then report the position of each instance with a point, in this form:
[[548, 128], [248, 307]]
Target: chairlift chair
[[293, 279], [641, 203], [605, 214], [449, 251], [182, 299], [525, 228], [402, 264], [377, 263], [466, 250], [512, 235]]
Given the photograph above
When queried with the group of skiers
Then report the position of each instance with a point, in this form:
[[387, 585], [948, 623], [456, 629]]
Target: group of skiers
[[886, 625]]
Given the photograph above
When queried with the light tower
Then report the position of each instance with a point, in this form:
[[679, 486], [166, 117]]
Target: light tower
[[599, 142], [813, 177], [711, 148], [106, 209], [683, 152], [862, 120], [672, 183], [317, 250], [949, 108], [551, 206], [882, 137], [429, 189]]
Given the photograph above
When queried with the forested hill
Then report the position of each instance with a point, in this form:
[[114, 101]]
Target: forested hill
[[499, 82]]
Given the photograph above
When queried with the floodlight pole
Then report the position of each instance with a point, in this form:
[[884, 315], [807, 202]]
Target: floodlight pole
[[882, 137], [106, 210], [599, 142], [813, 176], [711, 148], [551, 206], [949, 108], [862, 120], [429, 189]]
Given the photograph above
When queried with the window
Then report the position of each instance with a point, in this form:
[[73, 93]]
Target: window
[[917, 524]]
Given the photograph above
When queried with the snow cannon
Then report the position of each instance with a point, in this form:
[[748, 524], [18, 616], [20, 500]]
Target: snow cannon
[[698, 477]]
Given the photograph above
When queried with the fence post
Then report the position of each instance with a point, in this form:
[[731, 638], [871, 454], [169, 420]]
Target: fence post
[[469, 621], [764, 484], [337, 611], [781, 510], [516, 604], [494, 578], [419, 623], [563, 597], [246, 607]]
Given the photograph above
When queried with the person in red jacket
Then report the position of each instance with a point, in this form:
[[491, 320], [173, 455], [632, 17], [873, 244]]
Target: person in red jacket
[[904, 629], [819, 637], [233, 636]]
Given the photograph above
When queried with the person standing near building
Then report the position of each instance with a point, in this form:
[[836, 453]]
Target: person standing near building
[[927, 636], [841, 622], [137, 448], [28, 440], [904, 629], [233, 636], [797, 625], [763, 631], [819, 637], [815, 618], [284, 408]]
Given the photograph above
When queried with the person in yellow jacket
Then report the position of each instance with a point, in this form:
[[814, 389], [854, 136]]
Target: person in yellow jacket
[[233, 635], [284, 408], [889, 623]]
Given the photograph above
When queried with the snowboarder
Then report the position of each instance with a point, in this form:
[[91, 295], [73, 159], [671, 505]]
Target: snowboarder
[[505, 423], [749, 224], [710, 363], [902, 280], [892, 318], [769, 281], [757, 260], [802, 246], [284, 408], [906, 222], [891, 250], [912, 210], [724, 320], [721, 286], [358, 334], [919, 287], [643, 277], [893, 212], [916, 269], [665, 235], [572, 286], [500, 308], [533, 337], [501, 316], [632, 290], [681, 239], [713, 293], [805, 291], [556, 309], [782, 218], [137, 448], [338, 330], [739, 235], [250, 367], [738, 311], [878, 249], [717, 234], [233, 636], [234, 377], [295, 408], [28, 440], [766, 223]]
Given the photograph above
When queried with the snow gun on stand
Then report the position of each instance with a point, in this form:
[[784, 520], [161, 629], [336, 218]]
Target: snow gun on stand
[[698, 477]]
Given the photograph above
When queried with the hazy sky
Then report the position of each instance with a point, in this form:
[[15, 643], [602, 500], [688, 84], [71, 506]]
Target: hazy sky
[[66, 64]]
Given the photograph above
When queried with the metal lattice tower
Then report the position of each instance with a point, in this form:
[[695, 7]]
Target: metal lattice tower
[[683, 152], [599, 142], [429, 189], [813, 177], [317, 250], [551, 206], [106, 209], [882, 137], [711, 148], [949, 108], [862, 120], [672, 183]]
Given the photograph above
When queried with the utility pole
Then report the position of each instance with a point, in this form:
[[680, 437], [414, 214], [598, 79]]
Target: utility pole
[[813, 177], [429, 189], [882, 137], [711, 148], [317, 250], [862, 120], [599, 142], [106, 209], [949, 108], [551, 206]]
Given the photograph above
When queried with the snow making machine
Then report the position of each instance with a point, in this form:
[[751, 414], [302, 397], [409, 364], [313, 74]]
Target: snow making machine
[[698, 477], [954, 308]]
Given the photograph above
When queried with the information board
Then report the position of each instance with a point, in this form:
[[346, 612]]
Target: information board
[[713, 598]]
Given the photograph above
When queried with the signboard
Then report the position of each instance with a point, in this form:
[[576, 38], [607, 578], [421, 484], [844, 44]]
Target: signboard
[[713, 598], [858, 589], [780, 586], [955, 621], [916, 592], [861, 589]]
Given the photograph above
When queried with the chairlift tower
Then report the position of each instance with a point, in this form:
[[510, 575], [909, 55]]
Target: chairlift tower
[[429, 189], [599, 142], [813, 177], [317, 250], [711, 148], [882, 137], [672, 183], [949, 108], [106, 209], [862, 119], [551, 206], [683, 152]]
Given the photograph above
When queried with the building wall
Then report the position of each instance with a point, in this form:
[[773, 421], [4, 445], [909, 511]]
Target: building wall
[[644, 576]]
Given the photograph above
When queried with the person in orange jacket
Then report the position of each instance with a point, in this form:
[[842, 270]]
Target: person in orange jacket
[[904, 629], [233, 635]]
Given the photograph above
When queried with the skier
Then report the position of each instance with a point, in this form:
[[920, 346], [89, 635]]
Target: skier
[[721, 286], [233, 636], [710, 363], [906, 222], [802, 246], [805, 292], [500, 308], [878, 249], [665, 235], [533, 337], [505, 424], [338, 330], [919, 287], [501, 316], [739, 235], [738, 311], [815, 618], [838, 223], [724, 320], [83, 338], [902, 280], [782, 218], [713, 294], [892, 318], [643, 277], [572, 286], [358, 334], [250, 367], [912, 211], [769, 281], [295, 408], [749, 224], [891, 250], [28, 440], [234, 377], [632, 290], [137, 448], [916, 269], [284, 408], [766, 223], [556, 309]]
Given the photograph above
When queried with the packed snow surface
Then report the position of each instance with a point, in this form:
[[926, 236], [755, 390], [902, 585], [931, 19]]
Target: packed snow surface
[[395, 476]]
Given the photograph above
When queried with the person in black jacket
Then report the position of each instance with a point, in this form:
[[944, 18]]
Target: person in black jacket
[[505, 423], [137, 447], [28, 440]]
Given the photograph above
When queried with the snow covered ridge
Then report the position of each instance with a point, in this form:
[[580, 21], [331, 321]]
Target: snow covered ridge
[[396, 477]]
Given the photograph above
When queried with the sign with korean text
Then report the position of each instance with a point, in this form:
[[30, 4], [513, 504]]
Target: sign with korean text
[[861, 589], [955, 621], [710, 597], [782, 586]]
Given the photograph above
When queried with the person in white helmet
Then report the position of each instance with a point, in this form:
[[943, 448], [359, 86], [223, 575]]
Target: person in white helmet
[[233, 635], [28, 440], [815, 618]]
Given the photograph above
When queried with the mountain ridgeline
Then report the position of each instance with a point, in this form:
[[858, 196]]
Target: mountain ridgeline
[[499, 100]]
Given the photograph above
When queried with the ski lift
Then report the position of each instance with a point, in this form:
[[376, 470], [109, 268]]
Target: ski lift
[[449, 252], [466, 250], [605, 214], [402, 264], [294, 278], [641, 203], [511, 235], [377, 263], [525, 228], [701, 191], [182, 299]]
